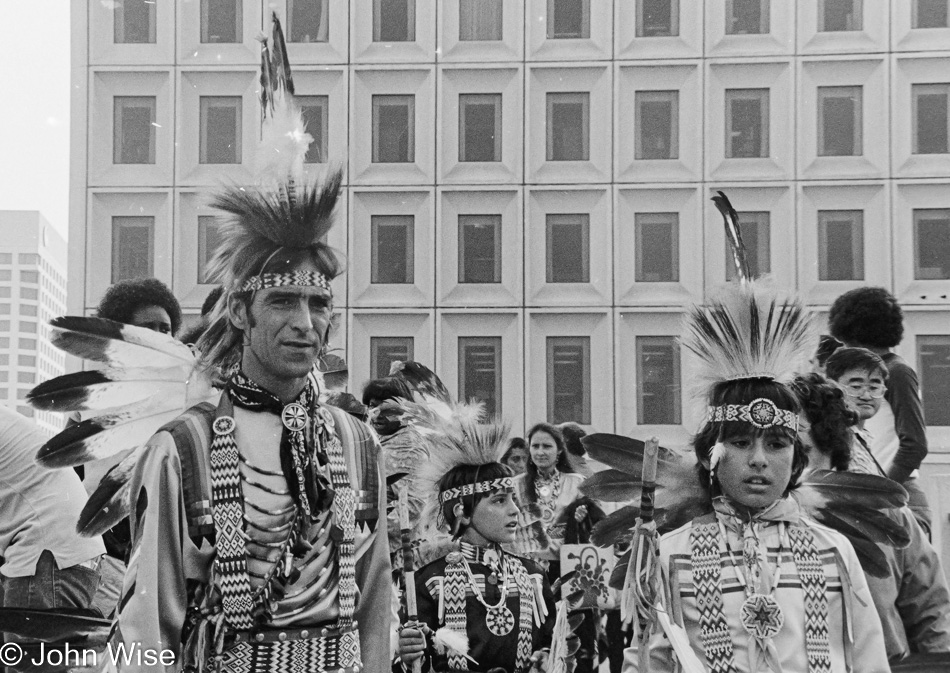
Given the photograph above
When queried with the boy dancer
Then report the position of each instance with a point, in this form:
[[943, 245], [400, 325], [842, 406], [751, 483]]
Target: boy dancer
[[500, 603], [756, 585]]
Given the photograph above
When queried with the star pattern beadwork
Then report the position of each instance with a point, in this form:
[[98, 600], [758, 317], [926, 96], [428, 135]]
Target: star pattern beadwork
[[223, 425], [294, 417], [761, 616], [499, 620]]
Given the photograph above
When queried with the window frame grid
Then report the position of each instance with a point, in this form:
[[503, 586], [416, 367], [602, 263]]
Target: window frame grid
[[549, 225], [916, 89], [763, 95], [918, 215], [765, 18], [118, 25], [936, 402], [823, 218], [551, 342], [496, 342], [378, 342], [377, 101], [475, 5], [822, 94], [857, 18], [674, 20], [497, 103], [496, 225], [645, 96], [204, 26], [118, 144], [915, 16], [120, 222], [205, 104], [551, 99], [408, 223], [640, 219], [378, 22], [640, 342], [324, 29]]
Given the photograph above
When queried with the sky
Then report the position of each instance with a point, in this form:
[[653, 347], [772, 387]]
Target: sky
[[34, 108]]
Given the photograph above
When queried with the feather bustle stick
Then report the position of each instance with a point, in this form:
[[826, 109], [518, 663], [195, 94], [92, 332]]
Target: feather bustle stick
[[408, 571], [643, 557]]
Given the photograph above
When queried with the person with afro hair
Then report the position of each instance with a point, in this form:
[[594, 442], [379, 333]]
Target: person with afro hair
[[871, 318], [144, 302]]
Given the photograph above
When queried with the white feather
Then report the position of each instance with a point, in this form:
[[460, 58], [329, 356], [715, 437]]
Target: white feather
[[718, 451], [284, 140], [452, 642]]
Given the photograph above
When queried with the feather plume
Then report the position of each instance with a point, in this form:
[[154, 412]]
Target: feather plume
[[98, 390], [420, 379], [109, 434], [611, 485], [749, 332], [730, 219], [625, 453], [118, 345], [452, 642], [111, 502]]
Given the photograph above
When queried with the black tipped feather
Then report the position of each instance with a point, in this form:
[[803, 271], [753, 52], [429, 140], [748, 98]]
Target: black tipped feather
[[110, 503], [421, 379], [733, 235], [623, 453], [611, 486]]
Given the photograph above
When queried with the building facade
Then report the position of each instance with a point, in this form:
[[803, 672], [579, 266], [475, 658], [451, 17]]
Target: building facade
[[527, 183], [32, 291]]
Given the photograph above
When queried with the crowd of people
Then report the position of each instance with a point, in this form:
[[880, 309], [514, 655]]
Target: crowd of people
[[276, 523]]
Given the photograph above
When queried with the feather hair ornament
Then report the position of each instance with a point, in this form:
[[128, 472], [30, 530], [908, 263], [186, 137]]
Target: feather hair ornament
[[730, 219]]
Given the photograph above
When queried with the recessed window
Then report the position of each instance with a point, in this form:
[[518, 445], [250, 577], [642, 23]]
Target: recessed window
[[931, 121], [209, 237], [29, 344], [932, 243], [133, 129], [29, 277], [568, 379], [28, 309], [747, 123], [756, 236], [479, 249], [26, 377], [480, 372], [840, 15], [220, 130], [929, 14], [394, 20], [4, 291], [657, 125], [133, 21], [658, 18], [26, 360], [840, 245], [568, 248], [839, 121], [315, 117], [933, 365], [480, 20], [28, 258], [4, 309], [27, 327], [26, 411], [29, 293], [4, 327], [383, 351], [308, 20], [568, 127], [394, 122], [4, 342], [657, 251], [480, 127], [132, 253], [6, 274], [568, 19], [221, 21], [747, 17], [6, 258], [658, 381], [392, 246]]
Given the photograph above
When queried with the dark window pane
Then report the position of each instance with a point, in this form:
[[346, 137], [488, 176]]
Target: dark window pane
[[314, 109], [840, 245], [755, 231], [480, 127], [568, 19], [480, 20], [393, 129], [932, 244], [480, 371], [657, 124], [837, 15], [658, 381], [568, 379], [394, 20], [568, 248], [220, 141], [132, 247], [133, 21], [657, 241], [568, 127], [657, 18], [479, 248], [133, 137], [930, 13], [747, 114], [384, 350], [930, 118], [393, 253], [747, 17], [933, 364], [221, 21], [839, 121], [308, 20], [209, 237]]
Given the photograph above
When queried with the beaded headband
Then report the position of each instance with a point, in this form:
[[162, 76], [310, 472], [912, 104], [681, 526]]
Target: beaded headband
[[478, 487], [300, 278], [760, 412]]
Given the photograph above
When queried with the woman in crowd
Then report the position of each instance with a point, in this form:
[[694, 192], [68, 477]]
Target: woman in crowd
[[548, 485], [516, 456]]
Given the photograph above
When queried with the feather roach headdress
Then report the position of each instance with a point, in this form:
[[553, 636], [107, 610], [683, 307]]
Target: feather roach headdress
[[267, 228]]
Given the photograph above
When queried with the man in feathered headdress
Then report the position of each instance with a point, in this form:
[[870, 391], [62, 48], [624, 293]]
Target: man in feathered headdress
[[256, 521]]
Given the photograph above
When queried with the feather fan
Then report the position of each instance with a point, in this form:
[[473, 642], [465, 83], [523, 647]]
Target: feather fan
[[421, 379], [118, 345], [110, 503], [97, 390]]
